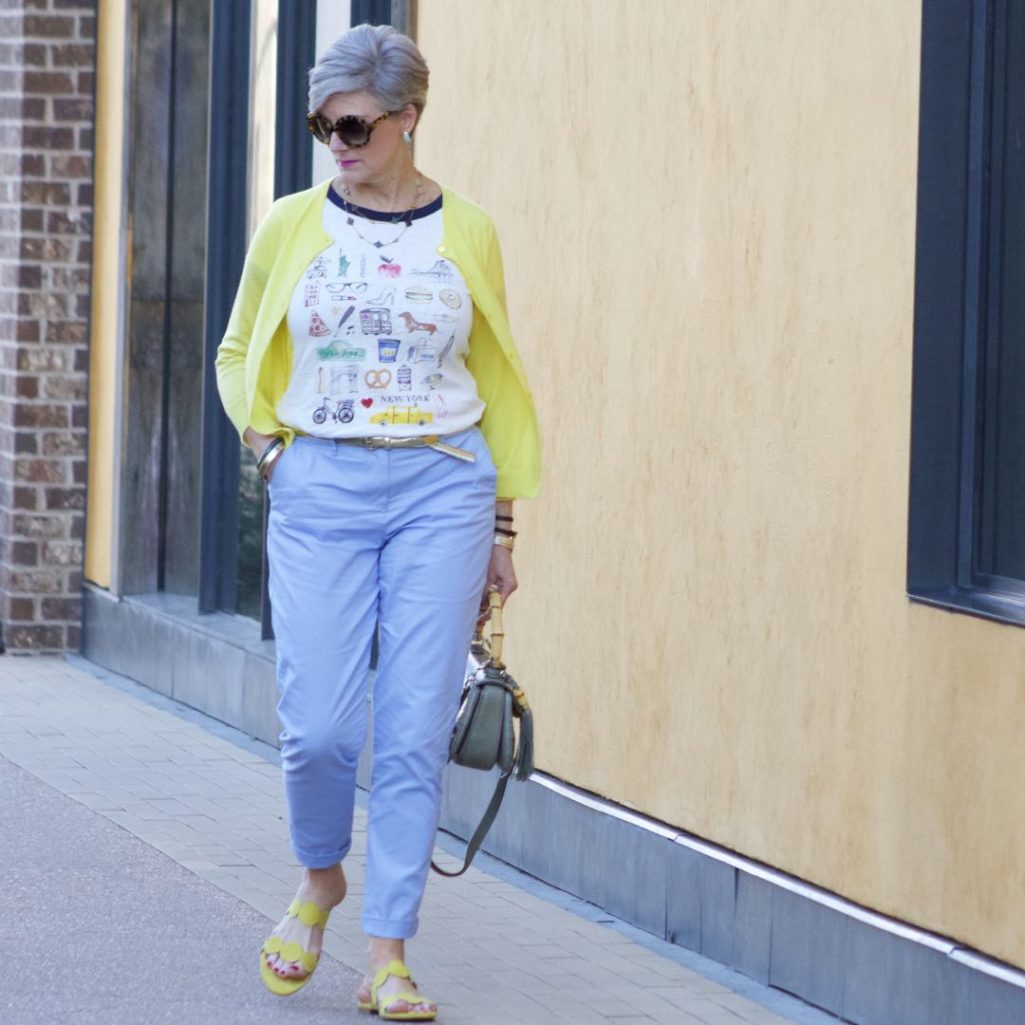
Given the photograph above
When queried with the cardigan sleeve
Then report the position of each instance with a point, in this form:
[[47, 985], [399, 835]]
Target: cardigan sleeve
[[230, 363], [509, 423]]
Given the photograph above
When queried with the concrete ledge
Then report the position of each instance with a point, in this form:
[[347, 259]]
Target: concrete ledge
[[783, 932], [215, 663]]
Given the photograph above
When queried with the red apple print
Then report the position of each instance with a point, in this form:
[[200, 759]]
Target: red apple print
[[366, 403]]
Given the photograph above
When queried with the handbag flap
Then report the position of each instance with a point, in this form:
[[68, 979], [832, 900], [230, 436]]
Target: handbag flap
[[483, 735]]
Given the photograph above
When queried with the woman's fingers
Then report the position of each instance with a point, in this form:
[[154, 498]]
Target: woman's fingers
[[501, 577]]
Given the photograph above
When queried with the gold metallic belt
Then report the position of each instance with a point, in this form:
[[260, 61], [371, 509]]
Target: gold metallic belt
[[421, 441]]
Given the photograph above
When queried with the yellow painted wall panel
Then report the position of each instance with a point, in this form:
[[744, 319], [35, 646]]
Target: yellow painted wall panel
[[707, 211], [106, 290]]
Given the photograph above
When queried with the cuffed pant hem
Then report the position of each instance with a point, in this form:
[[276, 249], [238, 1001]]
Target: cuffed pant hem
[[321, 860], [390, 929]]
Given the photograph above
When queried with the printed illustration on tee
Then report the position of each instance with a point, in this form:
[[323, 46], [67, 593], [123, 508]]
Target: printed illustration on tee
[[346, 291], [412, 324], [380, 336], [440, 271], [433, 382], [318, 329], [403, 415], [375, 321], [342, 412]]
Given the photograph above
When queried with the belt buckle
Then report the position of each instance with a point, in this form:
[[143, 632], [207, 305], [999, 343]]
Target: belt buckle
[[376, 441]]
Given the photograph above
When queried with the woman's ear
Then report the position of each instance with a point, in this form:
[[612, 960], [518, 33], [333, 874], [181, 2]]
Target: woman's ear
[[408, 118]]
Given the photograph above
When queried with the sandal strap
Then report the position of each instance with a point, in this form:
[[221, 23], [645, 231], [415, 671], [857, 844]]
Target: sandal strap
[[396, 968], [309, 913], [291, 951]]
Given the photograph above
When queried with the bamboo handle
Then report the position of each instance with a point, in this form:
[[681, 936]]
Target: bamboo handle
[[497, 630]]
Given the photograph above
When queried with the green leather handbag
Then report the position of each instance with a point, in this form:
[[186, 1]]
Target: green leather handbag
[[485, 735]]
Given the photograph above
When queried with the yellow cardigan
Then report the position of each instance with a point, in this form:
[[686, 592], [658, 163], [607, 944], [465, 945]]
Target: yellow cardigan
[[254, 359]]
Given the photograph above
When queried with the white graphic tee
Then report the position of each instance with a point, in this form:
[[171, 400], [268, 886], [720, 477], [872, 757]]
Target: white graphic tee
[[380, 324]]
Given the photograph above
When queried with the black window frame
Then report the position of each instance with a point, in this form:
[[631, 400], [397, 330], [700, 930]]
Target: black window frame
[[226, 235], [951, 271], [226, 249]]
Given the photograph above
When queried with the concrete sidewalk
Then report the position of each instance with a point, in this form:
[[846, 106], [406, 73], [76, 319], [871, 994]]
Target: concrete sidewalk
[[144, 858]]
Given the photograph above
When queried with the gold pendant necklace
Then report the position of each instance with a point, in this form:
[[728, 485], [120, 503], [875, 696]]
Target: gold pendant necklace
[[407, 217]]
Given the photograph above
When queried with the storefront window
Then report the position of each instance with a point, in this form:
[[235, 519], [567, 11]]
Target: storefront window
[[160, 479]]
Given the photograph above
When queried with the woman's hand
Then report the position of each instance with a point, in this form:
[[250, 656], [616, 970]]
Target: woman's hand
[[501, 577], [257, 443]]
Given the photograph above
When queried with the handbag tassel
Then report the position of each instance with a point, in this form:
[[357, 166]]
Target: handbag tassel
[[525, 750]]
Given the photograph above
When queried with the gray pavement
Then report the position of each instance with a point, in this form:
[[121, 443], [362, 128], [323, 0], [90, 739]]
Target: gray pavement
[[144, 856], [121, 932]]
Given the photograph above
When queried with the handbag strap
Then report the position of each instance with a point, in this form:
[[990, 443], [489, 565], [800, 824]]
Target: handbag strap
[[482, 829], [497, 635]]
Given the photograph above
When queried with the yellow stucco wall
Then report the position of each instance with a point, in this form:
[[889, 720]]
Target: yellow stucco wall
[[707, 211], [108, 275]]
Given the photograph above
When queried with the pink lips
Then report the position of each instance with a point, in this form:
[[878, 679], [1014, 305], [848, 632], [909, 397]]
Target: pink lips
[[344, 164]]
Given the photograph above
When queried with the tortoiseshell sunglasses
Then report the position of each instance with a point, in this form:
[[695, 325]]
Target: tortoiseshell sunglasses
[[352, 130]]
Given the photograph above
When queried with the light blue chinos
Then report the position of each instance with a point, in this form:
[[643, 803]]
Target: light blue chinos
[[357, 537]]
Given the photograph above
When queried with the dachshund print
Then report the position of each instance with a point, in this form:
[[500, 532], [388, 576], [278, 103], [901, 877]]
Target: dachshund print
[[412, 324]]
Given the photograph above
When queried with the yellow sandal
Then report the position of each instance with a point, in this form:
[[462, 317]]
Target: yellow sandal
[[309, 914], [398, 969]]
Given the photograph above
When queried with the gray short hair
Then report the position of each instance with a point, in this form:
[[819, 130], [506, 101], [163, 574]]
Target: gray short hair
[[375, 58]]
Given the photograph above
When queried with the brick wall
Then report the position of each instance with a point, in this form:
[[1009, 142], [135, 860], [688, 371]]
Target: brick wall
[[47, 52]]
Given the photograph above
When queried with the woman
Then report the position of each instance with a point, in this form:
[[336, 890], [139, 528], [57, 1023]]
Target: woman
[[368, 364]]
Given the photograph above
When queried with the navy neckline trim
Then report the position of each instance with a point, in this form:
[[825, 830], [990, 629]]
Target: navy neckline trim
[[381, 215]]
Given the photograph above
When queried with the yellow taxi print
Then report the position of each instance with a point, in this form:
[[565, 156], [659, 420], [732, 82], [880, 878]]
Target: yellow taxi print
[[404, 415]]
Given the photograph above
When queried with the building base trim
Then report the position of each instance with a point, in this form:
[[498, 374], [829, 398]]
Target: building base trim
[[809, 891]]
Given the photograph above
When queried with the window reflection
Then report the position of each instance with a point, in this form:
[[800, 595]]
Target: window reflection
[[250, 537], [262, 109], [262, 104]]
